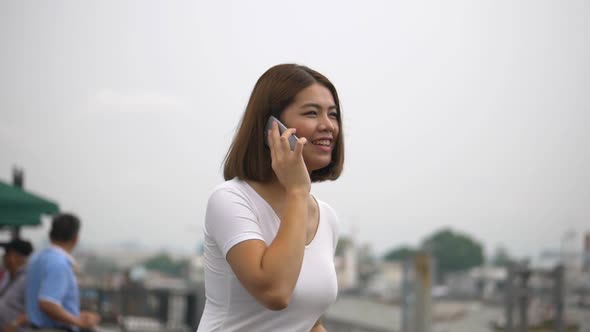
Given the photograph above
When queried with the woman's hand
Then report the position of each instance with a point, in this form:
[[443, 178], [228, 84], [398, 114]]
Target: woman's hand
[[288, 165]]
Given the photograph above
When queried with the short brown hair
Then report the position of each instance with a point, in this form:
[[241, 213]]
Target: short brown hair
[[248, 158], [64, 227]]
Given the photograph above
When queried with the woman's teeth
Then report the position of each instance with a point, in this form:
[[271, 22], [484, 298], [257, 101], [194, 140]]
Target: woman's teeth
[[323, 142]]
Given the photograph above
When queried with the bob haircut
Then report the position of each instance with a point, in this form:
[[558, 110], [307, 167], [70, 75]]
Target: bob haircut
[[248, 158]]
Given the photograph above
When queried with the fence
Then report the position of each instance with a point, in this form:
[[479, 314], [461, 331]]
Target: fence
[[174, 309]]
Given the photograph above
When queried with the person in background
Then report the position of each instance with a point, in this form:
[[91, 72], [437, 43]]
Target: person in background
[[52, 298], [270, 244], [12, 296], [4, 277]]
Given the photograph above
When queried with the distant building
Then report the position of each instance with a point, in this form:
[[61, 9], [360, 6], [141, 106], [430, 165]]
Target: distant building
[[386, 284], [196, 273], [346, 263], [481, 282]]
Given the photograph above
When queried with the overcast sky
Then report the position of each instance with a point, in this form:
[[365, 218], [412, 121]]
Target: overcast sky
[[468, 114]]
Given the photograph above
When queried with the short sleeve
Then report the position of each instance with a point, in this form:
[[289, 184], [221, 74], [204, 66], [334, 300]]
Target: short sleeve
[[54, 285], [231, 219]]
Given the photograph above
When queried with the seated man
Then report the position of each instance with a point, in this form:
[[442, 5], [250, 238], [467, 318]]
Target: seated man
[[12, 296], [52, 297]]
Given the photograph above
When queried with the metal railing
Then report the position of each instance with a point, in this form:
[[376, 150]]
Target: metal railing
[[332, 324], [173, 309]]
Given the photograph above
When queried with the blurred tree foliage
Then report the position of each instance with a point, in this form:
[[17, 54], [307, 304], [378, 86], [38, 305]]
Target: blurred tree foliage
[[99, 267], [162, 262], [399, 253], [453, 251]]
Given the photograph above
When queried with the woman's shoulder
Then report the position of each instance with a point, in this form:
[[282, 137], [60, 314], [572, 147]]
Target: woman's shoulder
[[328, 213], [325, 207], [329, 218], [234, 185], [234, 189]]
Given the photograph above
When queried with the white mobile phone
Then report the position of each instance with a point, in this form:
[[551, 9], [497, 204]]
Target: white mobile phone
[[292, 139]]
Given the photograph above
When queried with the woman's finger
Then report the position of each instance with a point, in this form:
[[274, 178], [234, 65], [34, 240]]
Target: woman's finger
[[274, 134], [299, 146], [271, 145], [285, 138]]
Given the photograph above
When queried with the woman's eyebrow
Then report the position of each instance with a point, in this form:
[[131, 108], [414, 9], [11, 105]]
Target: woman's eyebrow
[[318, 106]]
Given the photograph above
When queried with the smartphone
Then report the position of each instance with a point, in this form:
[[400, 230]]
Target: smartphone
[[292, 139]]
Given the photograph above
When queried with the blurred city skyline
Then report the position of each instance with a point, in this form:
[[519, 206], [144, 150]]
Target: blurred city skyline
[[466, 115]]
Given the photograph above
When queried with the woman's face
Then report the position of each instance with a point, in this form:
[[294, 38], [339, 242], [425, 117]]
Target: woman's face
[[314, 115]]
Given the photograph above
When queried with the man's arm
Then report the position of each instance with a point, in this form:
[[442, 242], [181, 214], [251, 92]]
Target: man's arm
[[56, 312]]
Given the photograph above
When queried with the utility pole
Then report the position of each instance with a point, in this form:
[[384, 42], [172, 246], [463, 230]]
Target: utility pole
[[519, 294], [523, 294], [18, 180], [18, 177], [558, 293], [407, 303], [423, 311], [509, 298]]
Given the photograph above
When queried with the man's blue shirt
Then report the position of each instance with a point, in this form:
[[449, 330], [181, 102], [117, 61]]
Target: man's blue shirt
[[50, 277]]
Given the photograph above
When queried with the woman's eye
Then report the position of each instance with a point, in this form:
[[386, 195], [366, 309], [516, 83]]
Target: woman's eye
[[334, 115], [311, 113]]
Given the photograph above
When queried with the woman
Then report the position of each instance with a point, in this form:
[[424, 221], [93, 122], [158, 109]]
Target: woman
[[269, 244]]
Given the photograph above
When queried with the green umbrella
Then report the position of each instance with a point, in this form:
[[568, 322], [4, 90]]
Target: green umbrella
[[21, 208]]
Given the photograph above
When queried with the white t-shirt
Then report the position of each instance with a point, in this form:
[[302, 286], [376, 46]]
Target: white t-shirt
[[235, 213]]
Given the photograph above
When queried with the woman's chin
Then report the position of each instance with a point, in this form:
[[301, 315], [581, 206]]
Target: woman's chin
[[316, 165]]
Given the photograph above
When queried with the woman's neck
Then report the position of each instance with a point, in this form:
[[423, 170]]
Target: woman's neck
[[272, 188]]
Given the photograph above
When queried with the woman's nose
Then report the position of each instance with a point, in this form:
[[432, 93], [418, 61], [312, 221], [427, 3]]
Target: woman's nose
[[326, 123]]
